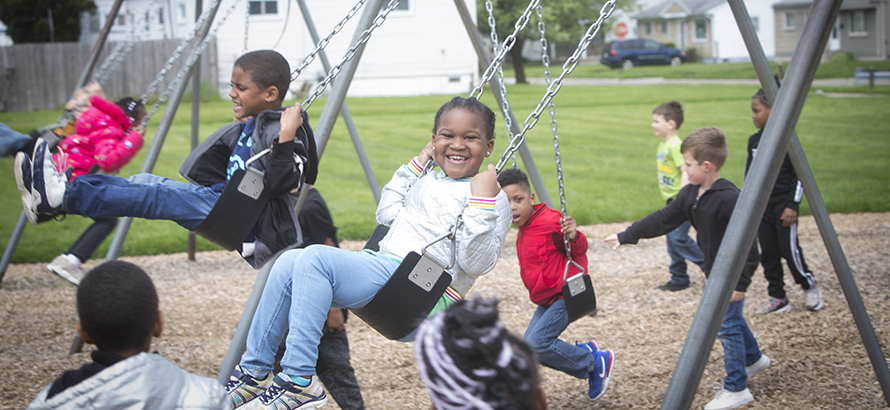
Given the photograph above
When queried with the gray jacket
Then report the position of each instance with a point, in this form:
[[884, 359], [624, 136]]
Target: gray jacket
[[286, 168], [144, 381]]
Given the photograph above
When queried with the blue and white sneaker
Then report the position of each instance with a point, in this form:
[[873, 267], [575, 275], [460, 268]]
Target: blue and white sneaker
[[49, 185], [242, 388], [591, 346], [284, 394], [601, 374], [23, 182]]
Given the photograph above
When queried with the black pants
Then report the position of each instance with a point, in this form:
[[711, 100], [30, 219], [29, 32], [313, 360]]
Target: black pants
[[776, 243], [92, 237]]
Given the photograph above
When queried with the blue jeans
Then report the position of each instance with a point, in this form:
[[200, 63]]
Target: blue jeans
[[739, 347], [543, 335], [11, 141], [142, 195], [302, 286], [681, 247]]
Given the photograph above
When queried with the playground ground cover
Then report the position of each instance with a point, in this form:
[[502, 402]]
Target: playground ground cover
[[607, 155], [819, 359]]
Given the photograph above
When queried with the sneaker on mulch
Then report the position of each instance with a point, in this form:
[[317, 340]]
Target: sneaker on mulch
[[725, 399], [774, 306], [599, 378], [760, 365], [284, 394], [814, 298], [67, 269], [243, 388], [673, 286]]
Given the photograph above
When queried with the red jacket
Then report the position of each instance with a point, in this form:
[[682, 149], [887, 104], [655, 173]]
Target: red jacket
[[542, 255], [101, 139]]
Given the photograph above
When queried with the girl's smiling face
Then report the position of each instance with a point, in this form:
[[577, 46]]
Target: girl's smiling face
[[461, 143]]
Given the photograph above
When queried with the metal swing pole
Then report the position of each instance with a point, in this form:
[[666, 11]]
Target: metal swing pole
[[484, 61], [151, 158], [196, 120], [84, 78], [338, 92], [817, 205], [322, 133], [750, 206], [344, 111]]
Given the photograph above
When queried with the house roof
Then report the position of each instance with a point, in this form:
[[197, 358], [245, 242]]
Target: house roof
[[678, 8]]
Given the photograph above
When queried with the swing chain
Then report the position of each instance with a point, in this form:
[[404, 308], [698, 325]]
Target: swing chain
[[509, 42], [545, 60], [363, 38], [505, 109], [324, 42], [180, 76], [452, 236], [554, 87], [178, 51]]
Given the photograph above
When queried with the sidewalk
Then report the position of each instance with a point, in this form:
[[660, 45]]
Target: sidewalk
[[830, 82]]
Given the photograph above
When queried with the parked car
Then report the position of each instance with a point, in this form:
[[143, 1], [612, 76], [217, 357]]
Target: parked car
[[630, 53]]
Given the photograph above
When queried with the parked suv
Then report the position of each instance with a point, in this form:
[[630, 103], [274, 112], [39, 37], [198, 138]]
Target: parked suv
[[629, 53]]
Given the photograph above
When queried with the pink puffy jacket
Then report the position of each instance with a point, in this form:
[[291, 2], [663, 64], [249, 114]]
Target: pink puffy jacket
[[101, 139]]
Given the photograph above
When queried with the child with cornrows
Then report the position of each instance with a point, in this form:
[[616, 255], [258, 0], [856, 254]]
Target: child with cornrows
[[305, 283], [778, 228]]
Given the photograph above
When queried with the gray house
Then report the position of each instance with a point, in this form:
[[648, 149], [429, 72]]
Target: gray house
[[861, 28]]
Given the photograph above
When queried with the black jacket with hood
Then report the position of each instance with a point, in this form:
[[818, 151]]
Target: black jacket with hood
[[709, 215]]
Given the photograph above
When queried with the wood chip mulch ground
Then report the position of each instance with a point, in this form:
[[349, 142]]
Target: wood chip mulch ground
[[819, 360]]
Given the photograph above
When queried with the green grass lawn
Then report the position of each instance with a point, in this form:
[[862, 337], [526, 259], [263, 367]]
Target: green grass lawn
[[607, 155]]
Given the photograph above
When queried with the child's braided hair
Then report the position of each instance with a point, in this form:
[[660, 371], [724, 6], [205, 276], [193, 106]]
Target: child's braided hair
[[468, 360]]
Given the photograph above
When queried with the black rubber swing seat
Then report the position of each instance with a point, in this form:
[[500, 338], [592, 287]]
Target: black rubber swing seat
[[237, 210]]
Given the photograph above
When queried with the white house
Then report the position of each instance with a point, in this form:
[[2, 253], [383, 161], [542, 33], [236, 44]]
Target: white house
[[709, 26], [421, 48]]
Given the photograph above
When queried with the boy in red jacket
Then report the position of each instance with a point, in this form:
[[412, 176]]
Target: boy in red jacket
[[542, 261]]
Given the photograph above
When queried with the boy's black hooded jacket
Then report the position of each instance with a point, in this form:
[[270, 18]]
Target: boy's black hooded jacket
[[709, 215]]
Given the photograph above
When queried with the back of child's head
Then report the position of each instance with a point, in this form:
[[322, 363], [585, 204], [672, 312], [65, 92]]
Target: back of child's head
[[117, 306], [267, 68], [472, 105], [671, 111], [707, 144], [133, 109], [467, 359], [514, 176]]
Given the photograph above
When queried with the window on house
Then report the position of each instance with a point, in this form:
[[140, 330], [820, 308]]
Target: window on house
[[147, 21], [121, 20], [404, 5], [161, 16], [701, 29], [182, 13], [95, 25], [263, 7], [789, 21], [857, 22], [664, 27], [649, 28], [756, 21]]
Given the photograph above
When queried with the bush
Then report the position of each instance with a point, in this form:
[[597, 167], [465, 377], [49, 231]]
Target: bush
[[670, 44], [843, 56], [692, 55]]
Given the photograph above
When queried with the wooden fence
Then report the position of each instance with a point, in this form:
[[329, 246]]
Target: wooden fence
[[43, 76]]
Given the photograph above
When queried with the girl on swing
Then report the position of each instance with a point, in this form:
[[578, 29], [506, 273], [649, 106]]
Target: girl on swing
[[304, 284]]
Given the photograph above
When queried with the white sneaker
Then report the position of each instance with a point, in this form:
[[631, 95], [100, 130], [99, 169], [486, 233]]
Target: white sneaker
[[760, 365], [63, 267], [725, 399], [814, 298]]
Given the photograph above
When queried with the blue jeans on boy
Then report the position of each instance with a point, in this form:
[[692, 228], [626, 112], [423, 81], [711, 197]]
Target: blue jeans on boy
[[739, 347], [681, 247], [11, 141], [302, 286], [543, 335], [142, 195]]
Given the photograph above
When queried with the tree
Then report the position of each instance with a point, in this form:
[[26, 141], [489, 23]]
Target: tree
[[27, 21], [564, 20]]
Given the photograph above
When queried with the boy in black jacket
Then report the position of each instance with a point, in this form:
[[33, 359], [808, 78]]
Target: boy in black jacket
[[707, 201]]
